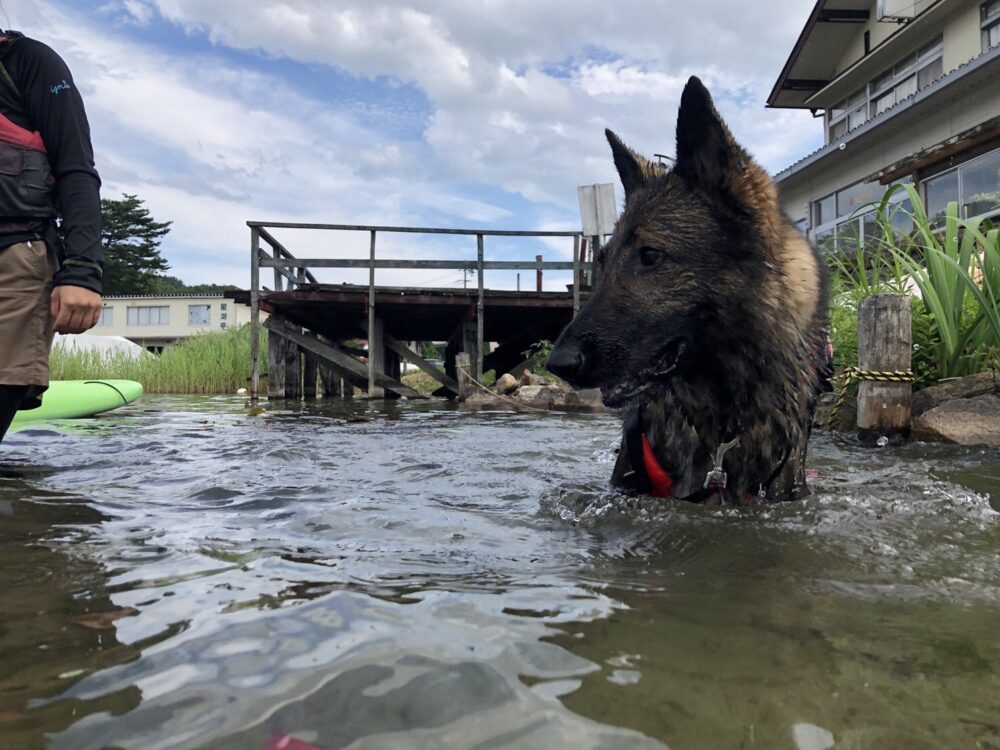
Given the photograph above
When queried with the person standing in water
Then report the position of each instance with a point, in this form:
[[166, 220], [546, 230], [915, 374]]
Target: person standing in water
[[50, 276]]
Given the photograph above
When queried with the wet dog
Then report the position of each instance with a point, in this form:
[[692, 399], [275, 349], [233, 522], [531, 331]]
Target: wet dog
[[707, 324]]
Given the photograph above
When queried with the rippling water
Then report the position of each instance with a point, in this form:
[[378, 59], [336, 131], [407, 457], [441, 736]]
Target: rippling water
[[184, 575]]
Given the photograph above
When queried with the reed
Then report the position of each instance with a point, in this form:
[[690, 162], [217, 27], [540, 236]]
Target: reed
[[216, 363]]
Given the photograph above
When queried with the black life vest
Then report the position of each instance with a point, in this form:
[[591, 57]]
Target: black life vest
[[26, 182]]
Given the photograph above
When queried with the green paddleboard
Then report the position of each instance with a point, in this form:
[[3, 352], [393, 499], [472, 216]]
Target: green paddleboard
[[72, 399]]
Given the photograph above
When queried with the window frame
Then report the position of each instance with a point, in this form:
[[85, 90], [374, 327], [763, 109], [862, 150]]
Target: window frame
[[201, 306], [961, 198], [865, 100], [989, 19], [162, 318]]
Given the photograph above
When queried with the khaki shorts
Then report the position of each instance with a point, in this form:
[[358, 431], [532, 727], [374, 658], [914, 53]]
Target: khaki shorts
[[26, 271]]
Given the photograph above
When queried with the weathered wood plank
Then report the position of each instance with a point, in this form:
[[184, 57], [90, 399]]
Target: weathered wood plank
[[407, 354], [884, 345], [453, 265], [333, 356]]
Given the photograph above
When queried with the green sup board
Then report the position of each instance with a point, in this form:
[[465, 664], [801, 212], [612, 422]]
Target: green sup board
[[72, 399]]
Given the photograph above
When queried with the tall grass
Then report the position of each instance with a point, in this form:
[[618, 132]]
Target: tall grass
[[217, 362], [956, 268]]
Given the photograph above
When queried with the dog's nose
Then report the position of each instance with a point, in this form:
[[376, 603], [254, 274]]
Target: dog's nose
[[567, 361]]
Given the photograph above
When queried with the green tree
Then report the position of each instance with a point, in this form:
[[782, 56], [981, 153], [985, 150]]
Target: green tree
[[131, 239]]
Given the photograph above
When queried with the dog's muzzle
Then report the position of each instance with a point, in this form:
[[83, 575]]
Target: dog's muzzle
[[569, 362]]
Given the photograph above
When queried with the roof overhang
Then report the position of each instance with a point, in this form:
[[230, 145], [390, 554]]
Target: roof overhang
[[921, 29], [831, 27]]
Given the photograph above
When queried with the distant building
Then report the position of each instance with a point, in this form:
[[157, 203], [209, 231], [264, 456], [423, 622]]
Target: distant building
[[156, 322], [907, 92]]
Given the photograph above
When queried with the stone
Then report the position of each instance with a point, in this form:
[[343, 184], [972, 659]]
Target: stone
[[587, 399], [506, 384], [955, 388], [529, 378], [966, 421]]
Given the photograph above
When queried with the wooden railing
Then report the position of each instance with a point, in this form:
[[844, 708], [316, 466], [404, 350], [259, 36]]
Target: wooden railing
[[291, 272]]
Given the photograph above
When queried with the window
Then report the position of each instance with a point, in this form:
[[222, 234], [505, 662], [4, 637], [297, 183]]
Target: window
[[107, 318], [222, 326], [906, 77], [981, 185], [846, 220], [910, 74], [223, 316], [848, 114], [149, 316], [199, 315], [975, 186], [938, 192], [222, 306], [990, 13]]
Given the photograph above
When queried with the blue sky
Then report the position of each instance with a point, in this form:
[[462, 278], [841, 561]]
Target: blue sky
[[460, 113]]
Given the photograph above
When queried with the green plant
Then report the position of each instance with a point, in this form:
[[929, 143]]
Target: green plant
[[956, 267], [216, 362], [538, 354]]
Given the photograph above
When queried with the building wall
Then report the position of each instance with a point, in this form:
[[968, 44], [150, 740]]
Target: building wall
[[963, 38], [222, 314], [895, 140]]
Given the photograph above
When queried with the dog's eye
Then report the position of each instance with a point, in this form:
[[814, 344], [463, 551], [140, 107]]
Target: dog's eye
[[649, 256]]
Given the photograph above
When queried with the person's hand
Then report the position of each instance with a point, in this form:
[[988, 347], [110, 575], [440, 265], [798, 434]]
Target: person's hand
[[74, 309]]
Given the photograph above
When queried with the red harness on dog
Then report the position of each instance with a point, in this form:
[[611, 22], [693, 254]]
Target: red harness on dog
[[660, 481]]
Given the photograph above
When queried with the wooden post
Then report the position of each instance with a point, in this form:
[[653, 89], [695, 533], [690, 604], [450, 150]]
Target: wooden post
[[376, 358], [254, 314], [576, 275], [309, 373], [538, 273], [293, 371], [276, 346], [465, 385], [393, 367], [479, 310], [595, 274], [371, 324], [884, 345]]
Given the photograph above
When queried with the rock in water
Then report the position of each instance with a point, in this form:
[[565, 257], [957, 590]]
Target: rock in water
[[506, 384], [966, 421]]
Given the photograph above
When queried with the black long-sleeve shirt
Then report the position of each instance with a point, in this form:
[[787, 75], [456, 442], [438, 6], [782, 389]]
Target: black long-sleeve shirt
[[50, 103]]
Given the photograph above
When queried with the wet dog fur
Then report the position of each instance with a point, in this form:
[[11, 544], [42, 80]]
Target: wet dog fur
[[708, 322]]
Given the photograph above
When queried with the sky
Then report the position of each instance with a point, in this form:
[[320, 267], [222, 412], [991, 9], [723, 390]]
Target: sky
[[441, 113]]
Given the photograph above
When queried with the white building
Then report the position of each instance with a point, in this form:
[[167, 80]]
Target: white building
[[155, 322], [908, 91]]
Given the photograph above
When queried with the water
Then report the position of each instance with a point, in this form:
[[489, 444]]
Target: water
[[184, 575]]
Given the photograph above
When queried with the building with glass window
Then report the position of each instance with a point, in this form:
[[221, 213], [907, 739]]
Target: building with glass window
[[157, 322], [908, 91]]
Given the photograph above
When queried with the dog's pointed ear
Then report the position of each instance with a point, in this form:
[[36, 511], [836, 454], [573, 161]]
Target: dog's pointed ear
[[629, 167], [707, 155]]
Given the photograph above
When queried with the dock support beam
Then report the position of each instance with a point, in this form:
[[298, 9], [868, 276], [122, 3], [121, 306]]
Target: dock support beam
[[254, 314], [376, 358], [310, 366]]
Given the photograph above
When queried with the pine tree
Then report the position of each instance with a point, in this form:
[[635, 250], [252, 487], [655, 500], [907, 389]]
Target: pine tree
[[131, 239]]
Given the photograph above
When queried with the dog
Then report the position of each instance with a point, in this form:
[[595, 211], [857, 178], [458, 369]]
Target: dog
[[707, 324]]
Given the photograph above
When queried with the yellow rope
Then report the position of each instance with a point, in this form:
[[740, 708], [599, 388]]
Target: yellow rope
[[856, 374]]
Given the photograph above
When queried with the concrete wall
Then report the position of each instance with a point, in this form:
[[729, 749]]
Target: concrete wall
[[234, 315]]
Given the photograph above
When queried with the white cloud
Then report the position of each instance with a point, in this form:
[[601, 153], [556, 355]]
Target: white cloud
[[517, 93]]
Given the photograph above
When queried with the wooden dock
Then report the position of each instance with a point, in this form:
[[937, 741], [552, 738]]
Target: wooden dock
[[311, 325]]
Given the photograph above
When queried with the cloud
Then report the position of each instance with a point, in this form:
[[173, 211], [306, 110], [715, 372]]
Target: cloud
[[383, 112]]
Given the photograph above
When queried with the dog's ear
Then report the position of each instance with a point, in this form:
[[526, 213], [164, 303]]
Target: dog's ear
[[707, 155], [630, 168]]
